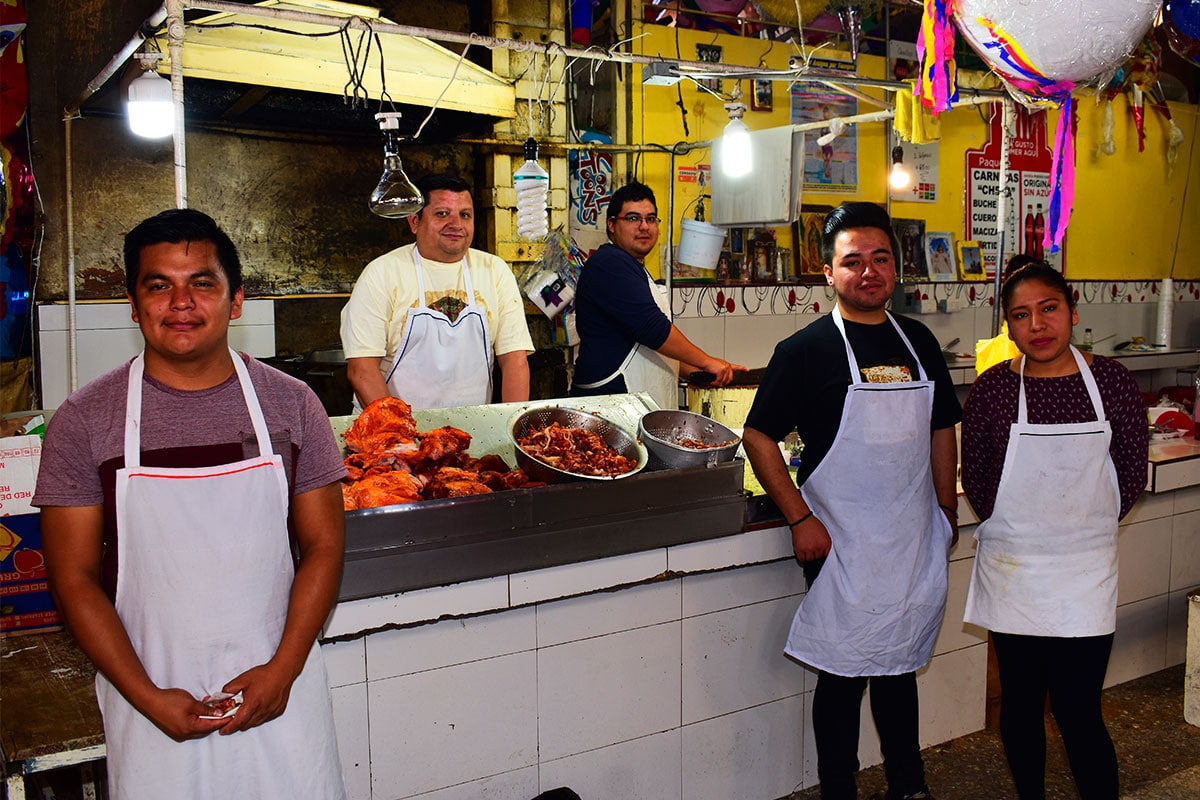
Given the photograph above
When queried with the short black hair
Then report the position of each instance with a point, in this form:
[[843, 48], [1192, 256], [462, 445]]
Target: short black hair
[[180, 225], [1034, 270], [440, 181], [629, 193], [855, 215]]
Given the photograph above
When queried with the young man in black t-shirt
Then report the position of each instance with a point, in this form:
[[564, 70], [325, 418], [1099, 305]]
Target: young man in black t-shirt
[[874, 503]]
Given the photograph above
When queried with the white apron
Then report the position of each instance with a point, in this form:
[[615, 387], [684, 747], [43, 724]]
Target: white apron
[[645, 369], [1046, 560], [204, 574], [443, 363], [876, 607]]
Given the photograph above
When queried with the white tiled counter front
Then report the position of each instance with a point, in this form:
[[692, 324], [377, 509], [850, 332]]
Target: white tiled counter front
[[659, 674]]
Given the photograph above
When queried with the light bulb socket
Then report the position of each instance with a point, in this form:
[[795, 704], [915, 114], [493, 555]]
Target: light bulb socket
[[531, 149], [897, 155]]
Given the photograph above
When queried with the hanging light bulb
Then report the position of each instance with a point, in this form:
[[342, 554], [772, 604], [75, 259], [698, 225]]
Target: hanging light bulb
[[395, 196], [532, 183], [901, 176], [736, 157], [150, 108]]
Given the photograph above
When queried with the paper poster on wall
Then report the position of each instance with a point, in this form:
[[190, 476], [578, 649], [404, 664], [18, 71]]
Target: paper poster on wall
[[591, 189], [831, 167], [1026, 196], [922, 161]]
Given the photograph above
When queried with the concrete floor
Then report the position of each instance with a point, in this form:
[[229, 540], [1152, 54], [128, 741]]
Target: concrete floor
[[1158, 752]]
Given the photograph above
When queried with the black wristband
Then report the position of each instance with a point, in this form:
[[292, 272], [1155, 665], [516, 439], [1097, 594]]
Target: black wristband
[[797, 522], [951, 511]]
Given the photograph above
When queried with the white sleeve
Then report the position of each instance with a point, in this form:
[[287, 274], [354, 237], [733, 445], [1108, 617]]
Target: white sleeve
[[366, 316]]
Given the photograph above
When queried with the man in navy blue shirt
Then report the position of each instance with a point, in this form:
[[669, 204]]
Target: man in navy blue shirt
[[627, 340]]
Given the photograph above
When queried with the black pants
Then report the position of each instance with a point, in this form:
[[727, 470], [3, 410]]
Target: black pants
[[836, 705], [1071, 671]]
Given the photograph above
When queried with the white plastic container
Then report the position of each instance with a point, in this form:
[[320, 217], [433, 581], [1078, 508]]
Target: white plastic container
[[700, 244]]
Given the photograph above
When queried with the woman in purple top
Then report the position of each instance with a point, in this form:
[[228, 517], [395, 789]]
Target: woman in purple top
[[1054, 447]]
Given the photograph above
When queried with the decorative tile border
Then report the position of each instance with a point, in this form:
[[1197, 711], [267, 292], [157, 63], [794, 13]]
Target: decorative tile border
[[694, 301]]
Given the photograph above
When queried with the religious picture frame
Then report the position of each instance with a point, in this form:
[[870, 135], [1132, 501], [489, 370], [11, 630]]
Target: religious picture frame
[[939, 256], [910, 234], [737, 241], [970, 261], [807, 232], [763, 96]]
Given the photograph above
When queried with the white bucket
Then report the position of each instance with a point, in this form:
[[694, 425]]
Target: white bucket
[[700, 244]]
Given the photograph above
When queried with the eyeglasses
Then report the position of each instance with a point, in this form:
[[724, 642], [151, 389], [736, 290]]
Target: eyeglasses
[[638, 219]]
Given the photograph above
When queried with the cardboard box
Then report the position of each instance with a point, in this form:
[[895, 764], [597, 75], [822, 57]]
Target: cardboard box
[[25, 601], [19, 460]]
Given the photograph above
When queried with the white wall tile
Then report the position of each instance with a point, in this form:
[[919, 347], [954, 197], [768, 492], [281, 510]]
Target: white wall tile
[[1144, 560], [1140, 646], [350, 721], [751, 547], [751, 340], [610, 689], [1185, 551], [955, 633], [599, 614], [1177, 623], [345, 662], [1187, 499], [373, 613], [947, 327], [715, 591], [641, 769], [952, 693], [809, 773], [1150, 506], [519, 784], [434, 729], [754, 753], [734, 659], [451, 641], [586, 576], [707, 333]]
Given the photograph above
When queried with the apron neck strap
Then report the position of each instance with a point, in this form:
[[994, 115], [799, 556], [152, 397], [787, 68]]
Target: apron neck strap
[[468, 286], [1089, 382], [855, 374], [133, 409]]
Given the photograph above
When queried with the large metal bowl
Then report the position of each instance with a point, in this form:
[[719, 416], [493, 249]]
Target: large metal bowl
[[618, 438], [661, 430]]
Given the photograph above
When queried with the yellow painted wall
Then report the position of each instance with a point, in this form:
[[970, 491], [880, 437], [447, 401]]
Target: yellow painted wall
[[1130, 220]]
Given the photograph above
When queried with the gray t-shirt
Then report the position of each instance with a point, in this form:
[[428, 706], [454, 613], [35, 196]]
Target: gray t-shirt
[[87, 431]]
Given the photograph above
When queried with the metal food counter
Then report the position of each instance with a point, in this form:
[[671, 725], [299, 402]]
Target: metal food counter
[[441, 542]]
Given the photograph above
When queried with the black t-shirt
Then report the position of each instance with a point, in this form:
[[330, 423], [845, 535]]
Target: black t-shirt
[[806, 381]]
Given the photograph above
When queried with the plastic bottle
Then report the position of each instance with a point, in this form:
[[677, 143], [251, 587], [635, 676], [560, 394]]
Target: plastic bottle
[[532, 184], [1087, 339], [1039, 230], [1030, 247]]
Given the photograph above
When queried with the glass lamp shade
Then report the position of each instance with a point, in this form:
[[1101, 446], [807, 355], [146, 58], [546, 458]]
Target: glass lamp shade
[[395, 196], [150, 107], [736, 158]]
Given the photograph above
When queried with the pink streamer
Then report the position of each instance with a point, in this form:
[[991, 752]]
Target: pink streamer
[[936, 85], [1062, 176]]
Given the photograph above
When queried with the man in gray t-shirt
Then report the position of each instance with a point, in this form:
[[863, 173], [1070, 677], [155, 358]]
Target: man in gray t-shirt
[[193, 532]]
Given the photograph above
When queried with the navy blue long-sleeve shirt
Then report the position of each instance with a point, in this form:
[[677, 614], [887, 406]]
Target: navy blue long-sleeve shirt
[[614, 310]]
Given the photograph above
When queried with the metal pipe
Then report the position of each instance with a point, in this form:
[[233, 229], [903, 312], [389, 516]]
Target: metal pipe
[[72, 350], [1009, 111], [175, 31], [115, 63]]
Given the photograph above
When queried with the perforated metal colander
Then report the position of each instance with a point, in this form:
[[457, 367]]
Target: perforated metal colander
[[661, 431], [617, 438]]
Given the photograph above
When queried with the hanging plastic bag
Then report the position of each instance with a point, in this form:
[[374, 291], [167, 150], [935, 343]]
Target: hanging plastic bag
[[989, 352]]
